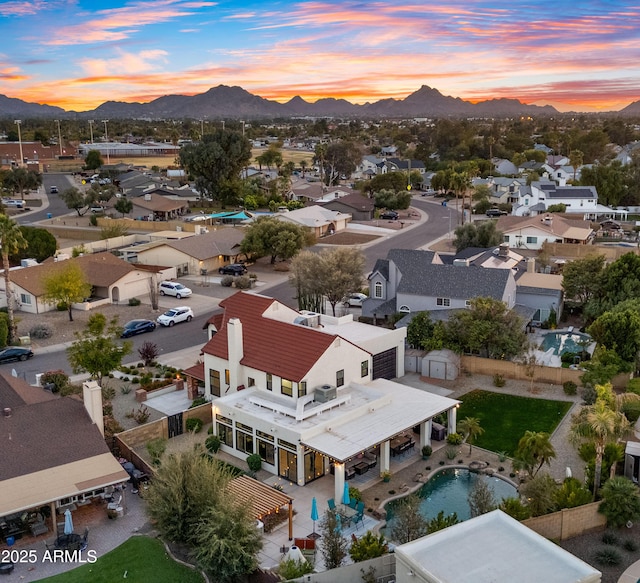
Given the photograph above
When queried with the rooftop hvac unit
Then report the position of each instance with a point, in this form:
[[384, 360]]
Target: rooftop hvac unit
[[325, 393], [312, 320]]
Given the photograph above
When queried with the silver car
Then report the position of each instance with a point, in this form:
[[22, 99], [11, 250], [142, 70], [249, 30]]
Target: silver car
[[175, 316], [173, 288]]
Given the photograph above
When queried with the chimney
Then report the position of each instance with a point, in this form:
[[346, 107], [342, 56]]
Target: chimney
[[92, 397], [7, 412], [235, 349], [548, 219], [503, 250], [531, 265]]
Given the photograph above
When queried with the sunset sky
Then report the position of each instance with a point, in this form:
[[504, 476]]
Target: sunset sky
[[76, 54]]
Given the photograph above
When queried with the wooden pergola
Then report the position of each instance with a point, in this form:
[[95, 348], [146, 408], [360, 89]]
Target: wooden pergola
[[262, 499]]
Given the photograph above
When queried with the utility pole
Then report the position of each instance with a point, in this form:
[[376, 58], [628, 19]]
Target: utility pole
[[59, 135], [91, 122], [18, 122]]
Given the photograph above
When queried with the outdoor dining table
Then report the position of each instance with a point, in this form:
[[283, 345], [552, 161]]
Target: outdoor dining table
[[68, 541], [347, 512]]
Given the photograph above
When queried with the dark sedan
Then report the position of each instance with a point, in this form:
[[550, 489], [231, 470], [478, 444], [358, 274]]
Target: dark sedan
[[15, 353], [134, 327]]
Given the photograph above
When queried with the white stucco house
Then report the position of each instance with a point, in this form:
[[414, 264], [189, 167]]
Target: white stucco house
[[531, 232], [322, 221]]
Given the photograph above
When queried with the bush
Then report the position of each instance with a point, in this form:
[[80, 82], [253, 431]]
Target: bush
[[291, 569], [451, 453], [589, 395], [454, 439], [608, 557], [213, 443], [134, 302], [141, 415], [93, 220], [148, 352], [194, 424], [243, 282], [633, 386], [498, 380], [61, 307], [125, 389], [427, 450], [41, 331], [58, 378], [156, 448], [254, 461], [227, 281], [569, 388], [197, 402], [609, 538], [630, 545]]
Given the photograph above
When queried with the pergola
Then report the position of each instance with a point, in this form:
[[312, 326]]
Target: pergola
[[261, 498]]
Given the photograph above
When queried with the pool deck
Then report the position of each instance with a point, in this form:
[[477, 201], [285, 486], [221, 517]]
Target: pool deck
[[549, 357]]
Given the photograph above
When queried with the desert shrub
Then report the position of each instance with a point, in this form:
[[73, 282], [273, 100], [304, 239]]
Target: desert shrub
[[93, 220], [197, 402], [498, 380], [212, 443], [58, 378], [41, 331], [135, 380], [243, 282], [140, 415], [107, 409], [125, 389], [108, 393], [454, 439], [290, 569], [194, 424], [451, 453], [111, 427], [630, 545], [134, 302], [569, 388], [608, 557], [227, 281], [156, 448], [589, 395], [254, 461], [148, 352], [148, 385], [609, 538]]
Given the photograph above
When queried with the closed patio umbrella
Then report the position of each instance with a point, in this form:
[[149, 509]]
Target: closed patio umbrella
[[68, 522], [314, 516], [346, 500]]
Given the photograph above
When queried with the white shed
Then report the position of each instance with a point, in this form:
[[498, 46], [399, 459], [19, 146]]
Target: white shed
[[441, 364]]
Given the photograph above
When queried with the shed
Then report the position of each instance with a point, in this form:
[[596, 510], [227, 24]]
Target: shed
[[441, 364]]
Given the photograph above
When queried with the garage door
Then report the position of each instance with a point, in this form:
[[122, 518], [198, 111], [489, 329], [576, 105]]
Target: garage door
[[384, 364], [437, 370]]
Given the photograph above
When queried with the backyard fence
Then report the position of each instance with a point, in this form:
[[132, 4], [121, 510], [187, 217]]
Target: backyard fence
[[568, 522]]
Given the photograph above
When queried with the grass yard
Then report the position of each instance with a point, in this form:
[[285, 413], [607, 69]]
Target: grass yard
[[143, 559], [505, 418]]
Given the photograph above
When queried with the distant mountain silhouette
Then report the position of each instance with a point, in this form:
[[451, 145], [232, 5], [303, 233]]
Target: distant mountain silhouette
[[224, 102]]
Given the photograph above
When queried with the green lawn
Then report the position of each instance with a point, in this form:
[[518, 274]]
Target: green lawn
[[143, 559], [505, 418]]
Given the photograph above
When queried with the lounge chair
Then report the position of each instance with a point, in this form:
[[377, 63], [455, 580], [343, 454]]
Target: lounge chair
[[359, 516]]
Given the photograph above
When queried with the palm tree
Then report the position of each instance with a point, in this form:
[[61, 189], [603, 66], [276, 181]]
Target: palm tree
[[534, 450], [11, 242], [470, 428], [303, 166]]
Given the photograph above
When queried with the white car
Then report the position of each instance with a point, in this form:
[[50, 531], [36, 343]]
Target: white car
[[175, 316], [173, 288], [354, 300]]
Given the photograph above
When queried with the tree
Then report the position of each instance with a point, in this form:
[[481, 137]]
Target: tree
[[94, 160], [424, 333], [540, 494], [481, 498], [20, 180], [533, 451], [123, 205], [368, 546], [620, 501], [487, 327], [334, 546], [271, 236], [216, 163], [77, 201], [96, 350], [340, 158], [11, 242], [408, 523], [304, 271], [485, 235], [67, 285], [341, 273], [619, 281], [572, 494], [515, 508], [41, 245], [580, 278], [470, 428], [391, 199], [618, 330], [440, 522]]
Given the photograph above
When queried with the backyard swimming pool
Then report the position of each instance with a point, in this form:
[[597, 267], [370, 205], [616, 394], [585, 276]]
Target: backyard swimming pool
[[564, 342], [449, 490]]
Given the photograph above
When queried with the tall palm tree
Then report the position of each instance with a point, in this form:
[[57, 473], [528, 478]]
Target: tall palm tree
[[534, 450], [11, 242], [470, 428]]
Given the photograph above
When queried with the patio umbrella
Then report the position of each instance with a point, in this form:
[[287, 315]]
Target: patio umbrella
[[314, 515], [345, 496], [68, 522]]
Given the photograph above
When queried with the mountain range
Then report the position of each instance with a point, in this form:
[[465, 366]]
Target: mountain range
[[224, 102]]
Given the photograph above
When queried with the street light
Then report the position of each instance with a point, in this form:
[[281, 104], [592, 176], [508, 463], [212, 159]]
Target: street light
[[106, 138], [59, 135], [91, 129], [18, 122]]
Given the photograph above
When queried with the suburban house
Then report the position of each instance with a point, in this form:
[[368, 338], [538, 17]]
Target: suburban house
[[360, 207], [190, 255], [370, 166], [321, 221], [531, 232], [504, 167], [410, 281], [154, 206], [112, 279], [542, 293], [310, 393], [53, 455]]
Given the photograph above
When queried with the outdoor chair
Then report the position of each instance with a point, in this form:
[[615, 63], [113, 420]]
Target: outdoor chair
[[332, 504], [85, 540], [353, 503], [115, 503], [359, 517]]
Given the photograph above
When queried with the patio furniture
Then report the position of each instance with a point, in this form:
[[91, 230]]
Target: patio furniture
[[359, 516], [85, 540], [353, 503], [361, 468], [331, 503], [308, 548], [6, 568], [38, 527], [69, 542], [115, 503]]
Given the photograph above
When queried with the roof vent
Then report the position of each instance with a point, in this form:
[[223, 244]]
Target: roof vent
[[461, 263], [7, 412]]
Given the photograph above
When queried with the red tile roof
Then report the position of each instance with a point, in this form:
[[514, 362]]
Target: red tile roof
[[286, 350]]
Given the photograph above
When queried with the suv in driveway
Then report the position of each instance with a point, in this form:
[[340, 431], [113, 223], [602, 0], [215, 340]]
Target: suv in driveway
[[175, 316], [495, 213], [391, 215], [233, 269], [173, 288]]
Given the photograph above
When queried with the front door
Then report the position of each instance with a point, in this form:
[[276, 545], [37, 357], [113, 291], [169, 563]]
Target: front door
[[288, 465], [313, 466]]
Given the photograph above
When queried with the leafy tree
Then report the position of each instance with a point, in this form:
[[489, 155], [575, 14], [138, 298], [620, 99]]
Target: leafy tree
[[271, 236], [470, 428], [424, 333], [487, 327], [113, 229], [216, 162], [11, 242], [96, 350], [440, 522], [20, 180], [481, 498], [392, 200], [580, 278], [340, 158], [270, 157], [94, 160], [67, 285], [392, 181], [40, 245], [557, 208], [290, 569], [77, 200], [368, 546], [304, 271], [620, 501], [619, 331], [470, 235], [533, 451], [572, 494], [603, 366], [540, 494], [619, 281], [515, 508], [408, 523], [148, 352], [123, 205], [334, 545]]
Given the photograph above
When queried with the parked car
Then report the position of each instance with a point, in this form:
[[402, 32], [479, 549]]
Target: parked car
[[175, 316], [495, 213], [355, 300], [15, 353], [53, 190], [233, 269], [391, 215], [173, 288], [8, 202], [133, 327]]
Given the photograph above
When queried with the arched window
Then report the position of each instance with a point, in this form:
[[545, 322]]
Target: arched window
[[378, 290], [404, 309]]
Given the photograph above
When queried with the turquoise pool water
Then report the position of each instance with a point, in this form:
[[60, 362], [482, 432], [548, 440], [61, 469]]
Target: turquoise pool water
[[449, 490], [563, 342]]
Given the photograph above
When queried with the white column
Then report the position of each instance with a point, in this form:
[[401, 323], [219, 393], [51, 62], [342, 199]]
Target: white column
[[300, 465], [425, 433], [452, 420], [385, 450], [338, 482]]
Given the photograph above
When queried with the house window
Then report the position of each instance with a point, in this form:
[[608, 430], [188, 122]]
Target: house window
[[269, 382], [443, 302], [364, 368], [251, 382], [404, 309], [467, 303], [526, 202], [266, 449], [225, 433], [532, 240], [340, 378], [378, 290], [25, 299], [214, 382], [302, 388], [226, 376], [244, 442], [286, 387], [505, 238]]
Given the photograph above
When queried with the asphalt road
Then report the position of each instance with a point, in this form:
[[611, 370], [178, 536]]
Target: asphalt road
[[57, 206]]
